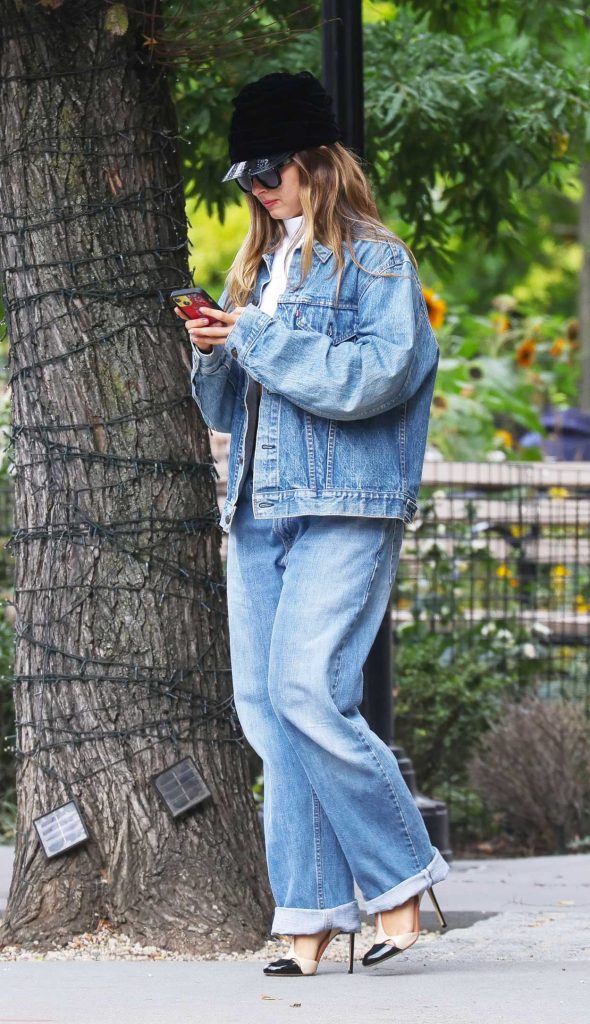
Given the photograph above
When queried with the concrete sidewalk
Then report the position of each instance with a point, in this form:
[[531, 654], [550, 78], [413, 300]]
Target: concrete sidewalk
[[517, 950]]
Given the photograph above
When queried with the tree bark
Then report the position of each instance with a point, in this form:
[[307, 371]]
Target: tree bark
[[121, 612]]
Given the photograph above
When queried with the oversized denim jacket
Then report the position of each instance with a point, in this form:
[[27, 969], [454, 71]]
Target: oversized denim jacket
[[346, 388]]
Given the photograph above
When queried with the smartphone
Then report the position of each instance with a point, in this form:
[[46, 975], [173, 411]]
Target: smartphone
[[188, 301]]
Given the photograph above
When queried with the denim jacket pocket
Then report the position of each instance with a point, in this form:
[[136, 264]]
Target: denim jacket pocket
[[349, 336], [338, 323]]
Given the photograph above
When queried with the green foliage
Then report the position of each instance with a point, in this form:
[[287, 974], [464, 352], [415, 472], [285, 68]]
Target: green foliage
[[449, 690], [258, 789], [453, 131], [212, 251], [496, 375], [223, 48], [537, 259], [540, 19], [454, 128]]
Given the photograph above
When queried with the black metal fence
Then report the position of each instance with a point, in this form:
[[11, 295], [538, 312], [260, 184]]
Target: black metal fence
[[500, 555]]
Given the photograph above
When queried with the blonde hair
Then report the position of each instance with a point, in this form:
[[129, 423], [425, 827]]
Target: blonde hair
[[338, 206]]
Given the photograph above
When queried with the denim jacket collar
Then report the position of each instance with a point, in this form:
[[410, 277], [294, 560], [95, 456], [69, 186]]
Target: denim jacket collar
[[322, 252]]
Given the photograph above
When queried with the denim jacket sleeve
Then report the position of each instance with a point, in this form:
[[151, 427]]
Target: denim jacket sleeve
[[215, 381], [394, 350]]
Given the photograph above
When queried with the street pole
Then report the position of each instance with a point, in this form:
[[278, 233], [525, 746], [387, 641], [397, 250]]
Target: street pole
[[342, 58]]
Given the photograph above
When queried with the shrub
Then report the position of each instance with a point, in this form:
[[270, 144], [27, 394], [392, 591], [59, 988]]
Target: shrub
[[533, 766]]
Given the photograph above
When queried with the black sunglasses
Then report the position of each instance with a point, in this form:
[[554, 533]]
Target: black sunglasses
[[270, 178]]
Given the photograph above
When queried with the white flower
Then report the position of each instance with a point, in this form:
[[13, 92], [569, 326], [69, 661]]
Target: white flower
[[428, 547], [433, 455], [540, 628], [529, 650], [488, 629]]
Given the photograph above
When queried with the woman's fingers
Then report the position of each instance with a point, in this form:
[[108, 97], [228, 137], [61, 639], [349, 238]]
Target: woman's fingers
[[220, 314], [215, 314], [208, 335], [212, 334], [215, 332], [195, 323]]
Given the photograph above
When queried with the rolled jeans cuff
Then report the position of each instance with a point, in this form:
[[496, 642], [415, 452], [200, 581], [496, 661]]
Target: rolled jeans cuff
[[300, 921], [435, 871]]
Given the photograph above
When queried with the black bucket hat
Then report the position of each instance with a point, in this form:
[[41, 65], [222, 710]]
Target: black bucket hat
[[276, 116]]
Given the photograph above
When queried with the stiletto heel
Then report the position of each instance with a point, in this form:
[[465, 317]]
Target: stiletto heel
[[386, 945], [439, 912], [293, 964], [351, 953]]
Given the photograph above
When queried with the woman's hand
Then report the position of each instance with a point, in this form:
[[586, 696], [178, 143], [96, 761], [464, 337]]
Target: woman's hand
[[203, 335]]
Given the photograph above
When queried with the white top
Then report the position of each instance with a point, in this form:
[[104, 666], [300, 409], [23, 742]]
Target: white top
[[274, 287], [280, 267], [276, 284]]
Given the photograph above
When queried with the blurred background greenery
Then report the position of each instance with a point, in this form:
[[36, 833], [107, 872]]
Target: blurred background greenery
[[477, 121]]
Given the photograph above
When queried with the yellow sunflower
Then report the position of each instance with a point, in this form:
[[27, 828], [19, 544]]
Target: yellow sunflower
[[436, 306], [558, 347], [440, 403], [525, 353]]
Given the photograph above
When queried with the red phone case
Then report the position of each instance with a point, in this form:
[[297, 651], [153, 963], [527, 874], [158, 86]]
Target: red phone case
[[188, 301]]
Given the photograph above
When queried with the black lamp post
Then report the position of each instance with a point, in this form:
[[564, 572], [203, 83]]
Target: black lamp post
[[342, 77], [342, 59]]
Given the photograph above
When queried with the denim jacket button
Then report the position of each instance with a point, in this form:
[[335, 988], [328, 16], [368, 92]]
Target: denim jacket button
[[234, 352]]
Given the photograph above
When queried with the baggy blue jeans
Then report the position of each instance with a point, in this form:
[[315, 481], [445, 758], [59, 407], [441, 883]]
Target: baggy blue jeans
[[306, 596]]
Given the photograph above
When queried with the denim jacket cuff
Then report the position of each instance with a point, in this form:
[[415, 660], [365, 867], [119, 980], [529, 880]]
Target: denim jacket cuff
[[207, 362], [245, 331]]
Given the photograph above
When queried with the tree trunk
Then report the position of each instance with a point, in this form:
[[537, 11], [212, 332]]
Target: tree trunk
[[122, 655]]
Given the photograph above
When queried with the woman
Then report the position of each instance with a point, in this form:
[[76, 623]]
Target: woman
[[322, 368]]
